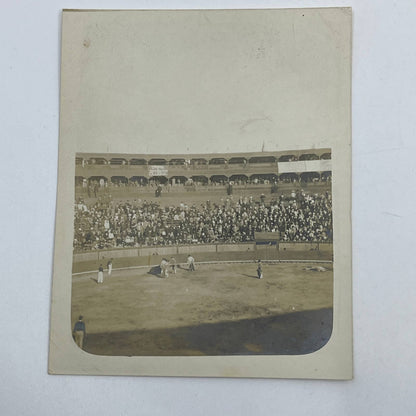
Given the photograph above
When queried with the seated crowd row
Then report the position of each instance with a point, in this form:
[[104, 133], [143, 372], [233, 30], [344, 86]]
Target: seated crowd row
[[303, 217]]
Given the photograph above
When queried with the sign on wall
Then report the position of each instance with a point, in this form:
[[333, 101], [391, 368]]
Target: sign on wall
[[158, 171], [305, 166]]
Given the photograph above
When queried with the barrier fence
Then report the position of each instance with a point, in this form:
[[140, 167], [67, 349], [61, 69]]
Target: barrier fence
[[216, 250]]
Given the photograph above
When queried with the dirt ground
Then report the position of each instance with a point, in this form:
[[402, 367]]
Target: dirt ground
[[219, 309]]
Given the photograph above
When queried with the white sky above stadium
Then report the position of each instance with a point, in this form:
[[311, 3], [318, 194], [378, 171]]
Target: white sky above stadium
[[203, 82]]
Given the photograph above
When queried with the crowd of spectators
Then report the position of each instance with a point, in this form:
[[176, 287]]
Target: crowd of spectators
[[302, 217]]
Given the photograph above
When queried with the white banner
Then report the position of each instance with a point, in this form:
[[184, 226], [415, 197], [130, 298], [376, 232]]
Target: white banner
[[158, 171], [305, 166]]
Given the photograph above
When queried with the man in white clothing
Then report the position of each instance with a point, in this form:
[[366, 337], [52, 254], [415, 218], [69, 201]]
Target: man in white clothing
[[191, 263], [110, 266]]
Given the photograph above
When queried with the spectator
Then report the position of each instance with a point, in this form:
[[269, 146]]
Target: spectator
[[79, 332]]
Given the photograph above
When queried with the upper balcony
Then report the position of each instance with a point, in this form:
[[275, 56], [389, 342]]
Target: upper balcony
[[206, 165]]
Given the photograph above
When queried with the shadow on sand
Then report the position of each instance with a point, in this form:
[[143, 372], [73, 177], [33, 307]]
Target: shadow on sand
[[289, 334], [250, 275]]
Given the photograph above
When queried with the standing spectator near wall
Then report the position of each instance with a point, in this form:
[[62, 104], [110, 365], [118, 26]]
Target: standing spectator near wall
[[79, 332]]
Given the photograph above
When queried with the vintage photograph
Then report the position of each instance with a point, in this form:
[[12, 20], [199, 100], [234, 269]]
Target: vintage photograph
[[203, 254], [203, 214]]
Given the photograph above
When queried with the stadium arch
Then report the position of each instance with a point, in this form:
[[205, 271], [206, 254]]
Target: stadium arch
[[287, 158], [200, 179], [237, 161], [199, 162], [177, 162], [118, 161], [118, 180], [217, 161], [163, 180], [289, 177], [138, 162], [178, 180], [157, 162], [98, 179], [239, 178], [261, 177], [309, 176], [139, 180], [262, 159], [219, 179], [308, 156], [97, 161]]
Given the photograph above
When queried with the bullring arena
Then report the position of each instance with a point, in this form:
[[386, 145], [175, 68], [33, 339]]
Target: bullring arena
[[226, 224]]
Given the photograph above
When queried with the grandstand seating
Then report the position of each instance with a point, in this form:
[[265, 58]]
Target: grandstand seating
[[204, 168]]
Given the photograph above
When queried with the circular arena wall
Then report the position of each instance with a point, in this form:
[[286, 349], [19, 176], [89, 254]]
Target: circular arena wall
[[150, 256]]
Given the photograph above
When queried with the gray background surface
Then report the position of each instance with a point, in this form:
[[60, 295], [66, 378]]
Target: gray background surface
[[384, 83]]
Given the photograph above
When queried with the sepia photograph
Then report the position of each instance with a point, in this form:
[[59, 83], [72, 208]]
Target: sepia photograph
[[204, 191], [203, 254]]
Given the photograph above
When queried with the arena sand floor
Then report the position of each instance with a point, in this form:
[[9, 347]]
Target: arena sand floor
[[219, 309]]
